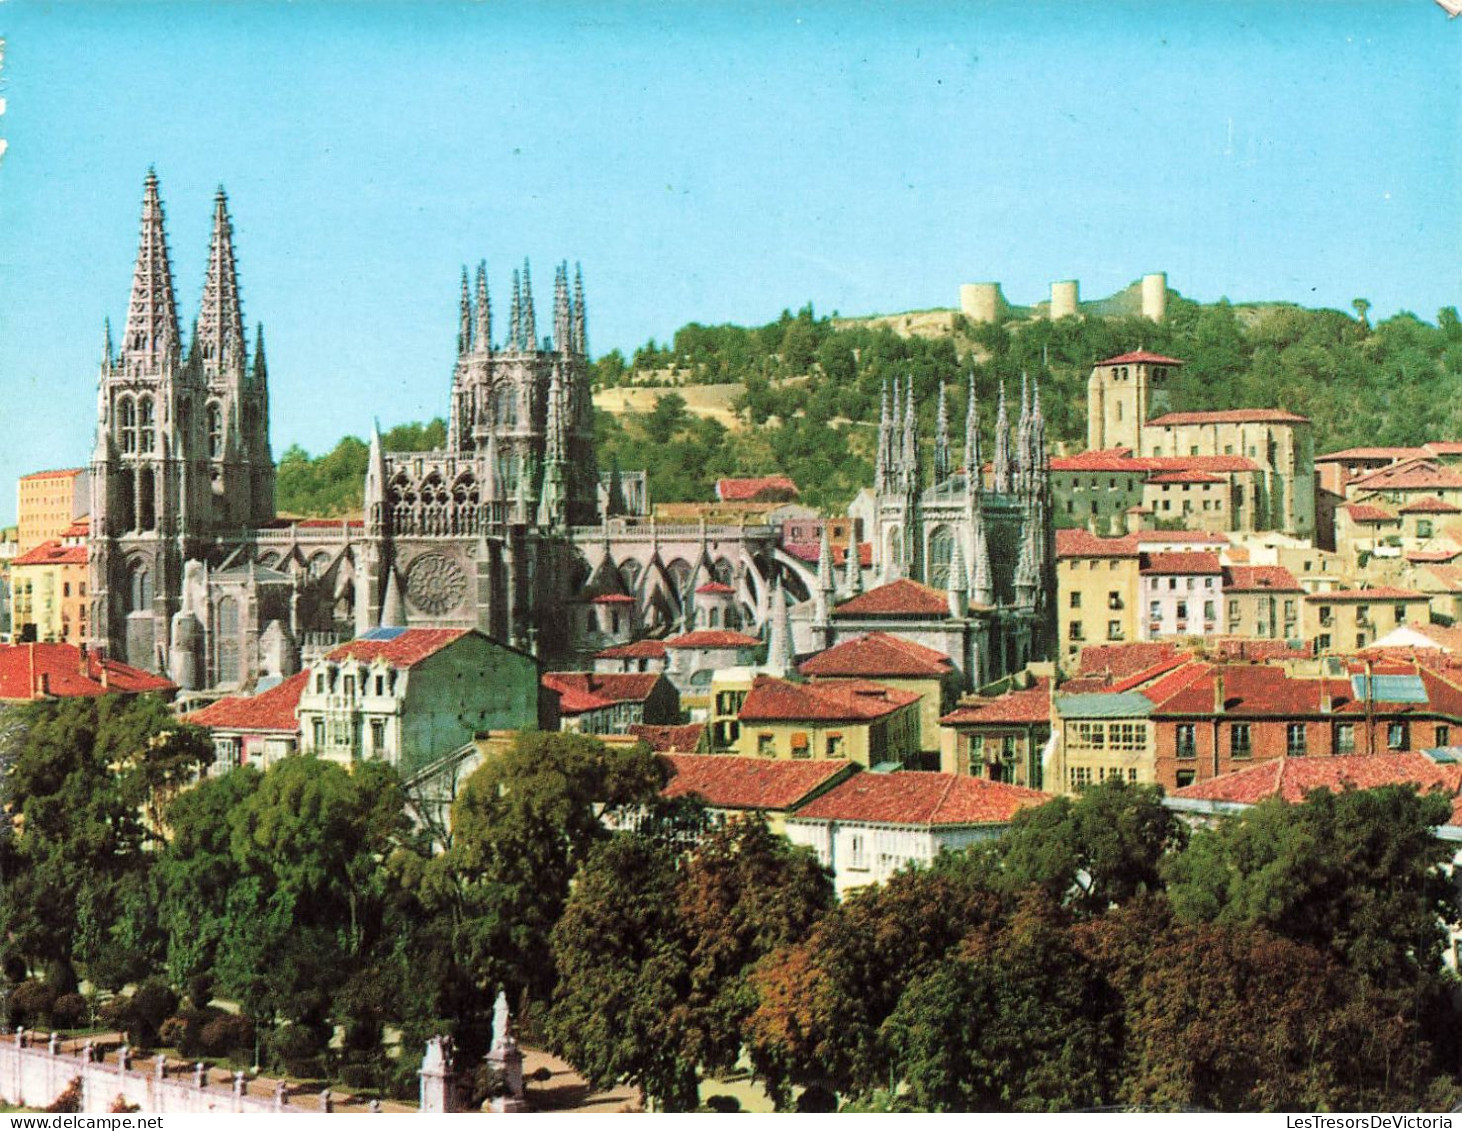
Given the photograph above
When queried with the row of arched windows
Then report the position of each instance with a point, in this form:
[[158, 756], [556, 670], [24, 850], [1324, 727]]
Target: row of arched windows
[[137, 426]]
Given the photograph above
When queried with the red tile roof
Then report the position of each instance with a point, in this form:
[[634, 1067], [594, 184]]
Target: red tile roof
[[1031, 705], [1444, 447], [587, 691], [728, 782], [1392, 454], [276, 709], [1231, 416], [639, 650], [1423, 556], [52, 553], [712, 638], [812, 552], [1137, 357], [1195, 563], [1259, 579], [1084, 544], [778, 700], [715, 587], [1101, 459], [1203, 463], [903, 597], [403, 651], [748, 490], [673, 739], [1293, 778], [916, 798], [1360, 512], [1188, 475], [1122, 660], [78, 529], [1379, 593], [612, 599], [1430, 504], [1178, 537], [71, 471], [30, 671], [1409, 475], [879, 655]]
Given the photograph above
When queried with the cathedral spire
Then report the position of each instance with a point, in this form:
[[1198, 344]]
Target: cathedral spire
[[826, 584], [107, 350], [852, 567], [958, 587], [562, 316], [1020, 471], [781, 658], [981, 591], [581, 318], [911, 441], [895, 447], [218, 335], [484, 311], [530, 324], [1002, 444], [515, 314], [261, 367], [464, 318], [941, 439], [972, 440], [151, 337], [880, 471]]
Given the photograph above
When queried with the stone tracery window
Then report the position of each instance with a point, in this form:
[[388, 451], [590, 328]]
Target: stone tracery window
[[215, 430], [146, 425], [941, 552], [127, 424]]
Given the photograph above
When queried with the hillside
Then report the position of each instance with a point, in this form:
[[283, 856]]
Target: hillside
[[805, 389]]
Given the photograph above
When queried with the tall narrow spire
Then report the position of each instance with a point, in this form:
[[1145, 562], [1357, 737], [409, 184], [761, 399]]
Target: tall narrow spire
[[218, 335], [852, 567], [881, 457], [826, 584], [464, 318], [781, 658], [972, 440], [956, 585], [981, 590], [562, 316], [911, 441], [1020, 470], [484, 311], [1002, 444], [895, 444], [261, 367], [941, 439], [151, 336], [515, 314], [530, 324], [581, 317], [107, 350]]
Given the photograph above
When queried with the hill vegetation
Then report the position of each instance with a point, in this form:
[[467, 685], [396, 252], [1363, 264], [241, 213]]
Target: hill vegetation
[[811, 388]]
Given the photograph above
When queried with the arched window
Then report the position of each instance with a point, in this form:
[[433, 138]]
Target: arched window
[[139, 588], [941, 551], [215, 430], [505, 406], [127, 424], [146, 426], [228, 640], [895, 542], [146, 499], [319, 563]]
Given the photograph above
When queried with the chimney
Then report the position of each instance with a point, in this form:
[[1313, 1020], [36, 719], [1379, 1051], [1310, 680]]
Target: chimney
[[1218, 696], [1327, 702]]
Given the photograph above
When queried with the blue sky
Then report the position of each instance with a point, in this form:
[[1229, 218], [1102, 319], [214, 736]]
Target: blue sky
[[704, 162]]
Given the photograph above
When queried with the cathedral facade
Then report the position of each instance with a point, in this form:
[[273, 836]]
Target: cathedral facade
[[510, 527]]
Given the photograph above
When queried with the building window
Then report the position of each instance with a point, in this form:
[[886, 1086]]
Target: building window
[[1444, 736], [857, 852], [378, 735], [1295, 739], [1182, 610], [1345, 738], [1208, 610], [1080, 777], [318, 731], [835, 746], [1114, 600], [1074, 631], [1187, 741], [1396, 736], [146, 426], [1322, 642], [766, 745], [1114, 630], [1240, 741], [1186, 777], [1076, 600]]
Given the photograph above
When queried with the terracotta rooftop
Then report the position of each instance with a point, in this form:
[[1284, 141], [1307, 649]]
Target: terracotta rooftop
[[1408, 475], [672, 739], [1078, 543], [777, 700], [276, 709], [879, 655], [612, 599], [917, 798], [1361, 512], [639, 650], [586, 691], [1202, 463], [728, 782], [1258, 579], [1138, 357], [712, 638], [1101, 459], [749, 490], [1293, 778], [1121, 660], [52, 553], [1187, 475], [33, 671], [1431, 556], [1148, 538], [715, 587], [1231, 416], [1031, 705], [68, 471], [1186, 563], [903, 597], [1430, 504], [1393, 454], [401, 647]]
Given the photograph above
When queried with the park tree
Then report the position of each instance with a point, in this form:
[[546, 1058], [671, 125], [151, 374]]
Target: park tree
[[1100, 848]]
